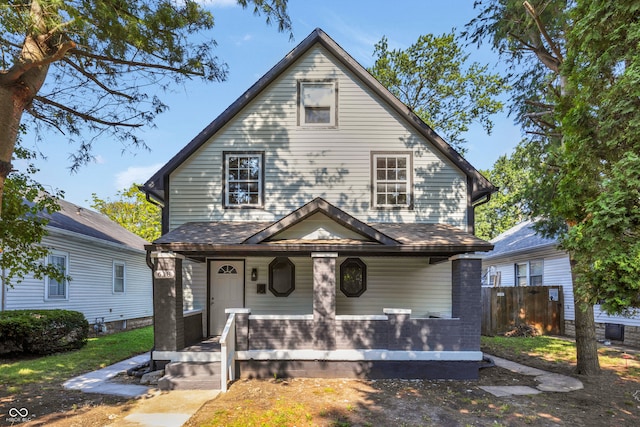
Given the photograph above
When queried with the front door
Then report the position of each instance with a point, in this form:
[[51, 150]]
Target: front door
[[227, 291]]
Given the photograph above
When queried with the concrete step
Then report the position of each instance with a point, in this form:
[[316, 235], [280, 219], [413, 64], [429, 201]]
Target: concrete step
[[189, 369], [169, 382], [191, 376]]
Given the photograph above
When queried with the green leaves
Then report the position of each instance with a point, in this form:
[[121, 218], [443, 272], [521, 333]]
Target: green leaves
[[25, 207], [433, 79], [100, 59], [133, 212]]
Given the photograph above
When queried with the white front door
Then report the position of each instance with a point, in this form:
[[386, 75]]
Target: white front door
[[227, 290]]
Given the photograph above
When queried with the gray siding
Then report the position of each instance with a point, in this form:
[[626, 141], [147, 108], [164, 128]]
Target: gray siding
[[91, 288], [303, 163], [409, 283]]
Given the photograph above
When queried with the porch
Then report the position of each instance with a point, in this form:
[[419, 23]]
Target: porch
[[390, 344]]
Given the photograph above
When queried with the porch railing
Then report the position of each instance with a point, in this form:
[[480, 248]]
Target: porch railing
[[228, 351]]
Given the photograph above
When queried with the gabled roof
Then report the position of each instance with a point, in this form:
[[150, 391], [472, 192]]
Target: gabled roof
[[320, 205], [155, 185], [518, 239], [94, 225]]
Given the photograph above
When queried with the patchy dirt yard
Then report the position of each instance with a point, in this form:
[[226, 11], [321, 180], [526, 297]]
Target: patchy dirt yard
[[612, 399]]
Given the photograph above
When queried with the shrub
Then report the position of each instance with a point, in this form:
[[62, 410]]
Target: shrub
[[42, 331]]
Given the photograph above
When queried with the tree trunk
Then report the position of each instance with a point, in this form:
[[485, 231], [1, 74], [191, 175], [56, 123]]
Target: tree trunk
[[586, 344], [18, 87], [11, 108]]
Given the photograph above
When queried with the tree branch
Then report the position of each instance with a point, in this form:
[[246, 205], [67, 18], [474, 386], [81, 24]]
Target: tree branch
[[96, 81], [85, 116], [134, 63], [17, 71], [554, 47]]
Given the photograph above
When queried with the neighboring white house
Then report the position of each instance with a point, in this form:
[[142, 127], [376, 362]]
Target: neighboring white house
[[333, 222], [110, 284], [521, 257]]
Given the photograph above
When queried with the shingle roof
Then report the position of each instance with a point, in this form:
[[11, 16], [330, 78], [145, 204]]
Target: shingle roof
[[519, 238], [93, 224]]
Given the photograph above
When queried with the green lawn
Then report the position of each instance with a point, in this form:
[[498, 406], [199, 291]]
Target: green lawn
[[98, 353], [558, 350]]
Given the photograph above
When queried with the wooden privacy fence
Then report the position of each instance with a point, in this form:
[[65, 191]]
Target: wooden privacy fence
[[505, 308]]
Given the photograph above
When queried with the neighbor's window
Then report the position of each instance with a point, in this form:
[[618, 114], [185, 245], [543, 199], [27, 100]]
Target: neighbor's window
[[353, 277], [529, 273], [317, 103], [521, 274], [391, 180], [244, 176], [57, 289], [535, 272], [282, 275], [119, 276]]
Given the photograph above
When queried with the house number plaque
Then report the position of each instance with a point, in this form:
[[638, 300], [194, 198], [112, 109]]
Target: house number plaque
[[164, 274]]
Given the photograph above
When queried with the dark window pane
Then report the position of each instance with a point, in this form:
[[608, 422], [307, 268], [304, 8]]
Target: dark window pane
[[317, 115]]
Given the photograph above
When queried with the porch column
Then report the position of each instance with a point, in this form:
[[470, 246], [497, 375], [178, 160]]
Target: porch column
[[324, 301], [168, 322], [466, 271]]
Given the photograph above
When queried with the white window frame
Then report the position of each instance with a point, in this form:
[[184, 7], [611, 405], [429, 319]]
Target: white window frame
[[330, 101], [407, 181], [528, 276], [541, 275], [124, 277], [227, 155], [48, 280]]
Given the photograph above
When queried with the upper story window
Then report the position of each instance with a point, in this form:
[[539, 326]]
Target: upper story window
[[391, 176], [57, 289], [119, 277], [317, 103], [244, 179]]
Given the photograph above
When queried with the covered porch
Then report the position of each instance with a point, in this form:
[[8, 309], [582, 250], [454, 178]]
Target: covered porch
[[390, 340]]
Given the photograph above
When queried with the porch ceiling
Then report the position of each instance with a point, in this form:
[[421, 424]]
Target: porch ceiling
[[204, 239]]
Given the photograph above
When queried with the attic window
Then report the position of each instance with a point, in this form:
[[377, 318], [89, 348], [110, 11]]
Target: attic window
[[317, 103]]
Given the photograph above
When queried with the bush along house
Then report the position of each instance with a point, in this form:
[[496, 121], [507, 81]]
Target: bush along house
[[316, 228]]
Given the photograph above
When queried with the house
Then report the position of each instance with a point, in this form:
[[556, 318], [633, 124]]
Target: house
[[319, 228], [110, 282], [521, 257]]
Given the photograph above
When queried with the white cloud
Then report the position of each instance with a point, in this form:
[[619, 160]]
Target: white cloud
[[135, 174], [219, 3], [99, 160]]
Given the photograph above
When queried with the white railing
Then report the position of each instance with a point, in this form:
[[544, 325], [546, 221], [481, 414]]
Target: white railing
[[228, 351]]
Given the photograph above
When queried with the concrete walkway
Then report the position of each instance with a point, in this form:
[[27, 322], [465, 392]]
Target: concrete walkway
[[153, 408], [547, 381], [173, 409]]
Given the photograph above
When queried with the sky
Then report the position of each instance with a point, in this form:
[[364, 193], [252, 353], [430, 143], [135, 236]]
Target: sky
[[250, 48]]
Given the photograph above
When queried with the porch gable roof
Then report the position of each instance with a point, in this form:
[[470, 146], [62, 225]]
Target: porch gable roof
[[333, 213]]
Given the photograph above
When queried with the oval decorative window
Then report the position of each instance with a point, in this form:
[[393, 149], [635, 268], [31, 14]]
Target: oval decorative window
[[227, 269], [353, 277], [282, 274]]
